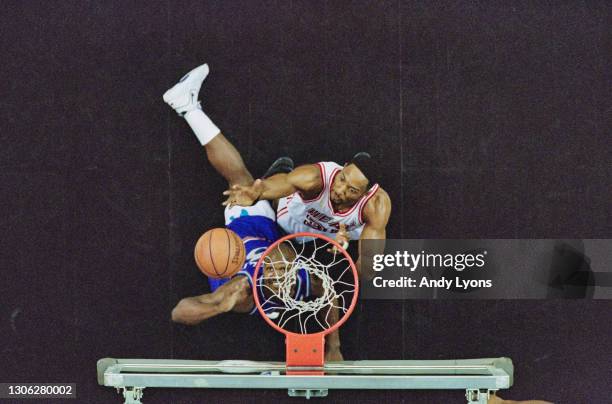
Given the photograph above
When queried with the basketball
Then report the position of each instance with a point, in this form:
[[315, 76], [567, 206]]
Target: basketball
[[219, 253]]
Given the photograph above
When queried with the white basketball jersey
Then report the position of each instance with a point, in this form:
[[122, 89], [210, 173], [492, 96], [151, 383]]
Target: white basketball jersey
[[297, 214]]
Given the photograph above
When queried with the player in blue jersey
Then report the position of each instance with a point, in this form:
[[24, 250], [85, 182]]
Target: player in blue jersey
[[255, 225]]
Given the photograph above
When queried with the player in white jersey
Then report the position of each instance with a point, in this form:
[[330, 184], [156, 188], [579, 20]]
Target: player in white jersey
[[326, 198], [296, 213], [255, 225]]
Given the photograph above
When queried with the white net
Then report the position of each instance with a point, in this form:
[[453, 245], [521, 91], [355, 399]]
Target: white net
[[306, 288]]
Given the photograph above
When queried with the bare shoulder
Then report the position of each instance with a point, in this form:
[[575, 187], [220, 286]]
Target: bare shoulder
[[308, 172], [307, 178], [378, 209]]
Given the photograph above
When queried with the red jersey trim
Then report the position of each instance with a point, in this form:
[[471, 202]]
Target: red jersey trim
[[367, 198]]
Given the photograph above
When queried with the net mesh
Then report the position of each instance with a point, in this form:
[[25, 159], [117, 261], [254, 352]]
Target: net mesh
[[305, 288]]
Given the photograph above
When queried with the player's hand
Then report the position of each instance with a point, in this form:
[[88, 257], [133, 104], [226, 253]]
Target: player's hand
[[494, 399], [342, 237], [243, 195], [235, 292], [333, 355]]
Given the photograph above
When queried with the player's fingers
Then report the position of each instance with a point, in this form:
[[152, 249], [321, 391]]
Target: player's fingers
[[342, 227], [342, 240], [230, 201], [334, 249]]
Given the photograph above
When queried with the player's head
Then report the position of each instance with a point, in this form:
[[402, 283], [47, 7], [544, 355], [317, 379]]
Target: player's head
[[276, 265], [353, 181]]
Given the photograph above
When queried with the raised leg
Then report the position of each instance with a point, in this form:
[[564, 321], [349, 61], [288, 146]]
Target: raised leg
[[183, 98], [227, 161]]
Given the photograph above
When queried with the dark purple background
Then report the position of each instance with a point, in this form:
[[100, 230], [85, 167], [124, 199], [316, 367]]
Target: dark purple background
[[491, 121]]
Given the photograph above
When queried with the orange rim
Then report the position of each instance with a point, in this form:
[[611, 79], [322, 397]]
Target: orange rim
[[346, 314]]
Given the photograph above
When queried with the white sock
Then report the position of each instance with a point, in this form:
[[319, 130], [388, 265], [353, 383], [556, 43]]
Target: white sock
[[204, 129]]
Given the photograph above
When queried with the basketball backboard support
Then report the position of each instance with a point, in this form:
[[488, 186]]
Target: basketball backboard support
[[478, 377]]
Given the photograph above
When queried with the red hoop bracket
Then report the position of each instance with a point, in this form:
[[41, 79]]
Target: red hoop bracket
[[305, 350]]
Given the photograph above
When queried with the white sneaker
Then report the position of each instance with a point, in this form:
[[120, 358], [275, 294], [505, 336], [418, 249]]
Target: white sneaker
[[183, 97]]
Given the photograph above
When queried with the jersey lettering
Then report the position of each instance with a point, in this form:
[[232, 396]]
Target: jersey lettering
[[311, 223]]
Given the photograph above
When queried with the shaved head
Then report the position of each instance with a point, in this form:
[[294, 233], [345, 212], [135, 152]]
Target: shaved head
[[282, 252], [276, 264]]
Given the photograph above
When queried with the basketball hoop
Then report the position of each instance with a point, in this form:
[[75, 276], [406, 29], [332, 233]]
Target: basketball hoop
[[279, 293], [280, 290]]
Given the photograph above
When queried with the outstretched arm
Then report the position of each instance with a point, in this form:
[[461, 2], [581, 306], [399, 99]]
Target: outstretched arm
[[233, 295], [306, 179], [376, 215], [498, 400], [332, 340], [331, 317]]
